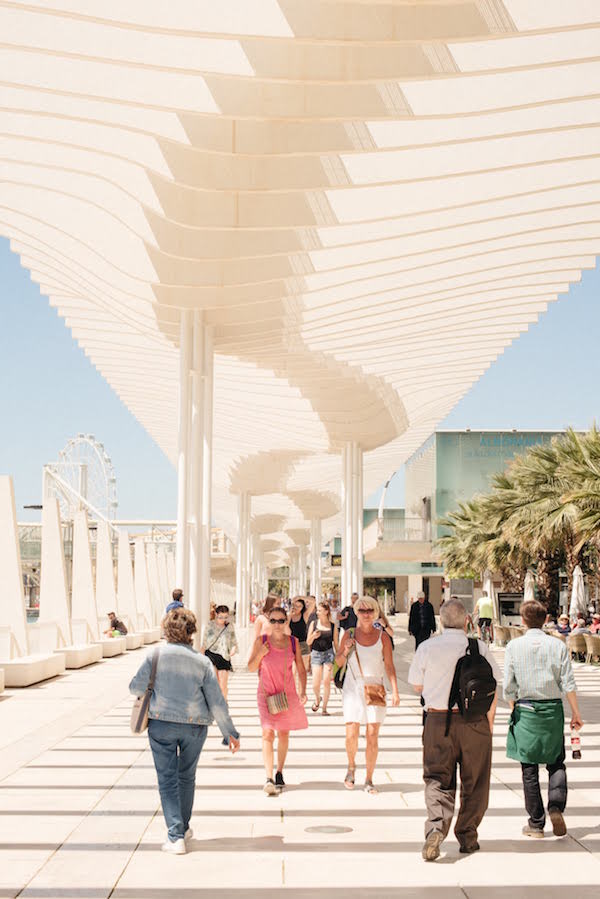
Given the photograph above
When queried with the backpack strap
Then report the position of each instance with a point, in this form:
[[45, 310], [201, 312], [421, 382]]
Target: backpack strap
[[473, 648], [293, 645], [454, 694]]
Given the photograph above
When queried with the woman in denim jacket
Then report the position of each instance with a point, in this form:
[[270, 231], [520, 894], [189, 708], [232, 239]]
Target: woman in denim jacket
[[185, 701]]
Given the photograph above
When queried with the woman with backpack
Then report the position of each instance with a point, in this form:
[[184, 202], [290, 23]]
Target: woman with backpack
[[367, 650], [279, 706]]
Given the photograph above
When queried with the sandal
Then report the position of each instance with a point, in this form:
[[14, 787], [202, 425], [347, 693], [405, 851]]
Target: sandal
[[316, 705], [349, 778], [325, 712], [370, 787]]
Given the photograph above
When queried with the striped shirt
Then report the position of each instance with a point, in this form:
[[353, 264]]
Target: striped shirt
[[537, 666]]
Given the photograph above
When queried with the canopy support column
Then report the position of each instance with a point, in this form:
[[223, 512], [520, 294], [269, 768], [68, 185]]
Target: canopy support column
[[315, 558], [243, 561], [206, 533], [183, 452], [196, 474], [352, 503]]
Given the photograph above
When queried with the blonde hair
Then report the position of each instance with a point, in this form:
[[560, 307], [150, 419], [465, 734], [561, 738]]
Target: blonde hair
[[367, 601], [180, 626]]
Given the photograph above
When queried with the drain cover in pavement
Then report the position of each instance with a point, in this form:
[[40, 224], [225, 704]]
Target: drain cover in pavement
[[328, 828]]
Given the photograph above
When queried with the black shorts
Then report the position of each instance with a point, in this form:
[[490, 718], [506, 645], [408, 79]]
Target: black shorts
[[483, 621], [218, 661]]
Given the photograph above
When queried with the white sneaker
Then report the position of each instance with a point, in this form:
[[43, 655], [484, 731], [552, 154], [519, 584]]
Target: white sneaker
[[188, 835], [176, 847]]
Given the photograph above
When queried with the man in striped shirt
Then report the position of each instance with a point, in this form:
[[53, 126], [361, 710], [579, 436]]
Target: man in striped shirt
[[537, 672]]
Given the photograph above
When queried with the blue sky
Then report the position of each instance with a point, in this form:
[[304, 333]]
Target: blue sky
[[49, 392]]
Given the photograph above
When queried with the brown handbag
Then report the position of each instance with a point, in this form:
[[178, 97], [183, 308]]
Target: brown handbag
[[374, 693]]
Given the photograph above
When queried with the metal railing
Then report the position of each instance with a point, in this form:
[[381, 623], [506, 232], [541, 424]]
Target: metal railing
[[404, 530]]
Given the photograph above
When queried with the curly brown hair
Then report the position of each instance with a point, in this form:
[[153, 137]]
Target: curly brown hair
[[180, 626]]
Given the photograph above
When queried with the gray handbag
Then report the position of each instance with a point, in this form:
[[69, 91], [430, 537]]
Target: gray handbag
[[141, 705]]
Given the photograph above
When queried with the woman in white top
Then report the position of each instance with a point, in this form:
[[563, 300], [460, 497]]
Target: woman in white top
[[369, 654]]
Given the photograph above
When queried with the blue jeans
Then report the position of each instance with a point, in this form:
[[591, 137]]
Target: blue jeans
[[176, 749]]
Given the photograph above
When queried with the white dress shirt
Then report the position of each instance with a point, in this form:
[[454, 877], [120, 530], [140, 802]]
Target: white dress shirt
[[434, 664]]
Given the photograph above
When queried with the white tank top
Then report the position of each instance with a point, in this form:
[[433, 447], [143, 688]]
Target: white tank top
[[371, 662]]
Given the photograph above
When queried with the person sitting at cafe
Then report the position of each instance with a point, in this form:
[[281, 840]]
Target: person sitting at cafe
[[563, 627], [595, 625]]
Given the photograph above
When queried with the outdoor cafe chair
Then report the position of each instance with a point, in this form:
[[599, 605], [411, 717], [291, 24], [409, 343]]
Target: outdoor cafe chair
[[577, 646], [592, 644]]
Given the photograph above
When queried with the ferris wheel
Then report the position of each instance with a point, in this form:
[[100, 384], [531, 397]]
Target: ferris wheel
[[83, 477]]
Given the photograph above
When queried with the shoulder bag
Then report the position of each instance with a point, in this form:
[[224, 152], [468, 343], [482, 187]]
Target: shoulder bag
[[276, 702], [374, 693], [340, 671], [141, 705]]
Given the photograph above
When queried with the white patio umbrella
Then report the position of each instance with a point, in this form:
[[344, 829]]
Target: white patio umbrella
[[578, 608], [488, 587], [529, 589]]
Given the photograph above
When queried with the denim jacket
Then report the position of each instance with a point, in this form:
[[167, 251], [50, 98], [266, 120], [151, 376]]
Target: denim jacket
[[186, 689]]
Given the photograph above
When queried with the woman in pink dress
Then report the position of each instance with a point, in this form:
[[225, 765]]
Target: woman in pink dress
[[273, 656]]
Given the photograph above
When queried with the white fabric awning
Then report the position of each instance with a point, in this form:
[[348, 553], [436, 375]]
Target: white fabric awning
[[369, 201]]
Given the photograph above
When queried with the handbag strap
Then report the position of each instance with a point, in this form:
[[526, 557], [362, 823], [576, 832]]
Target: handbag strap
[[155, 654], [265, 639], [214, 643]]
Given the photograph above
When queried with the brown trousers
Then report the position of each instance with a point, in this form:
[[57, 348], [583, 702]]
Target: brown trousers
[[468, 745]]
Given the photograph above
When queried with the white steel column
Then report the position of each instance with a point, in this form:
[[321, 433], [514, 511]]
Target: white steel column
[[357, 520], [347, 525], [243, 560], [352, 537], [196, 474], [206, 532], [302, 569], [315, 558], [185, 364]]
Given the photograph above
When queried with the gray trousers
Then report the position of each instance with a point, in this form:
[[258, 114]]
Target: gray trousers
[[468, 746]]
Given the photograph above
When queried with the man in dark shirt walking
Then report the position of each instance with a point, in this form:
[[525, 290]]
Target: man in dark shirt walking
[[421, 621]]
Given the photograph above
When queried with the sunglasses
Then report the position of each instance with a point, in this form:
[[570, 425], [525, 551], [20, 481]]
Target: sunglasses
[[277, 620], [366, 611]]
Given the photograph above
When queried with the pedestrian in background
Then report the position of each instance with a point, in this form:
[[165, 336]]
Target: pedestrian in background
[[421, 620], [537, 673], [220, 645], [323, 641], [185, 700]]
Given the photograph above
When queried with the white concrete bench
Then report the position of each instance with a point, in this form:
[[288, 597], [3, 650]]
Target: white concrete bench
[[112, 646], [151, 635], [134, 641], [49, 638], [28, 670], [82, 655], [24, 670]]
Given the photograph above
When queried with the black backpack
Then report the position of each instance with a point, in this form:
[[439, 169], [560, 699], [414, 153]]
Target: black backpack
[[473, 686]]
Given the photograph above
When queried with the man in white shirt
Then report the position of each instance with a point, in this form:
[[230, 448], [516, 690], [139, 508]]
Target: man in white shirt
[[468, 743]]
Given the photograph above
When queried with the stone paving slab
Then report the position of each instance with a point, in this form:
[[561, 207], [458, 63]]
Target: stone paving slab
[[80, 815]]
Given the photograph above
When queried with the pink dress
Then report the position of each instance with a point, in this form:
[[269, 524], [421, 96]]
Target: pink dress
[[275, 674]]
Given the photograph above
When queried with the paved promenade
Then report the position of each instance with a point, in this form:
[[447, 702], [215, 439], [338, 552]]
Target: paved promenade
[[80, 816]]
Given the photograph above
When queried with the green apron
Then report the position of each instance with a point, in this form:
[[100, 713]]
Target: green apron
[[535, 732]]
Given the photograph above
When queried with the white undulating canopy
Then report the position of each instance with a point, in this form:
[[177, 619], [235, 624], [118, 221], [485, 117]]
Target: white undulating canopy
[[368, 200]]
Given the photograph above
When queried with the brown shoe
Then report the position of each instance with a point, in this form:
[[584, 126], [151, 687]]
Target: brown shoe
[[431, 849], [535, 832], [558, 822]]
